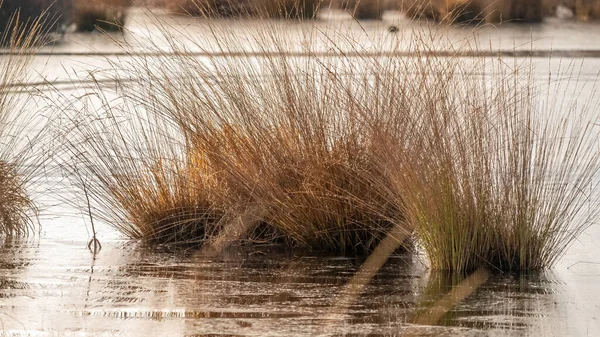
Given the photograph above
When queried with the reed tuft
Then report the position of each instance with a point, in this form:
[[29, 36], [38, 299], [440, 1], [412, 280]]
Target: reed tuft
[[336, 150], [22, 134], [496, 179]]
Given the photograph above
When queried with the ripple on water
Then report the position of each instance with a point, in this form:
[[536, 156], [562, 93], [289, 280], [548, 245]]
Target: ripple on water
[[128, 290]]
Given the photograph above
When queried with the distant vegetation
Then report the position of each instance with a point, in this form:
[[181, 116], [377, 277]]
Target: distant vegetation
[[490, 11], [86, 15], [306, 9], [110, 15], [107, 15], [52, 15]]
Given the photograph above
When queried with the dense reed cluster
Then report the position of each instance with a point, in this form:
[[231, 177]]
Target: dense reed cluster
[[283, 143], [500, 174], [336, 150], [315, 139]]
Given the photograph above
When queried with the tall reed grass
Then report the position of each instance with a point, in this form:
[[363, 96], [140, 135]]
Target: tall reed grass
[[270, 133], [336, 150], [501, 176]]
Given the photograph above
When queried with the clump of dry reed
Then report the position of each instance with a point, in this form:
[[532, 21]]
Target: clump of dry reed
[[287, 140], [333, 152], [21, 133], [496, 179], [106, 15], [138, 174]]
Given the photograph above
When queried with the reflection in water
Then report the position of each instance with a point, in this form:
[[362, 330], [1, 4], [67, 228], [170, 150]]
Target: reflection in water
[[59, 288], [454, 291]]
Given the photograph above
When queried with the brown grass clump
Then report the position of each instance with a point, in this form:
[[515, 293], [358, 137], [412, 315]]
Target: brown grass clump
[[21, 134], [300, 150], [315, 194], [337, 150], [142, 179], [15, 203], [283, 138], [106, 15]]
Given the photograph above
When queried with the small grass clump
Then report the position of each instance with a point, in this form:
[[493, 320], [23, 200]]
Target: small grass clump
[[139, 177], [21, 134], [497, 179], [15, 202]]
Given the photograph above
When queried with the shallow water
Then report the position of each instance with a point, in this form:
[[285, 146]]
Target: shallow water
[[52, 285]]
